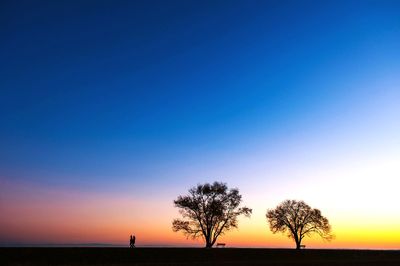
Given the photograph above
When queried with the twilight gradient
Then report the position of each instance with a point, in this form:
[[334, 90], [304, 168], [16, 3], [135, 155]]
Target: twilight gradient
[[108, 111]]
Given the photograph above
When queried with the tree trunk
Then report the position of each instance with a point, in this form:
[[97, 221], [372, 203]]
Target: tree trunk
[[208, 242], [296, 238], [298, 242]]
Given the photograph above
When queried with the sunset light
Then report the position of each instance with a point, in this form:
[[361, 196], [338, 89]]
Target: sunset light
[[190, 124]]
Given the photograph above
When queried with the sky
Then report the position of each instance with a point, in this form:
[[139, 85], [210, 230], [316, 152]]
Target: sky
[[111, 109]]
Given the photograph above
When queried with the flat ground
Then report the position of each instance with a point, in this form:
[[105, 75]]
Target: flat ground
[[193, 256]]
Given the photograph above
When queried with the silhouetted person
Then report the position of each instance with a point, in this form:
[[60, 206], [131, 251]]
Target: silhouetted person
[[132, 241]]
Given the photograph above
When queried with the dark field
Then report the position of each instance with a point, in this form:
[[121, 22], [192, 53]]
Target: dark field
[[193, 256]]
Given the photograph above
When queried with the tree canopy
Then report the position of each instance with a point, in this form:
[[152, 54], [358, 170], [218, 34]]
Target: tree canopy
[[298, 220], [208, 211]]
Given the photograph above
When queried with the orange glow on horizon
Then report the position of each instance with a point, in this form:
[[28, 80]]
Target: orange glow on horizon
[[57, 216]]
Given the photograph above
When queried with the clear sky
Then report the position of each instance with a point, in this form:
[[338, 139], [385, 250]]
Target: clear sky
[[111, 109]]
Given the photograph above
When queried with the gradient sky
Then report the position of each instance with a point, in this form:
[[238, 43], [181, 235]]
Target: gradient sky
[[111, 109]]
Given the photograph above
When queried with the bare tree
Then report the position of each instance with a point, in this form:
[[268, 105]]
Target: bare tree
[[208, 211], [298, 220]]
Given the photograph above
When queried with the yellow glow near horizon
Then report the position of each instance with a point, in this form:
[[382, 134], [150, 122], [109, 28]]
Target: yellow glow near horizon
[[357, 198]]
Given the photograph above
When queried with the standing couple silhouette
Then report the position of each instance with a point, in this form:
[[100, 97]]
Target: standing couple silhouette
[[132, 241]]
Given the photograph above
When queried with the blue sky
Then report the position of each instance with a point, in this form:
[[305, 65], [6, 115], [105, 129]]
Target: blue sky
[[101, 95]]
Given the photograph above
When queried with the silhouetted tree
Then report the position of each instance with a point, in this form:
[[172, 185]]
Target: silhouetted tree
[[298, 220], [208, 211]]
